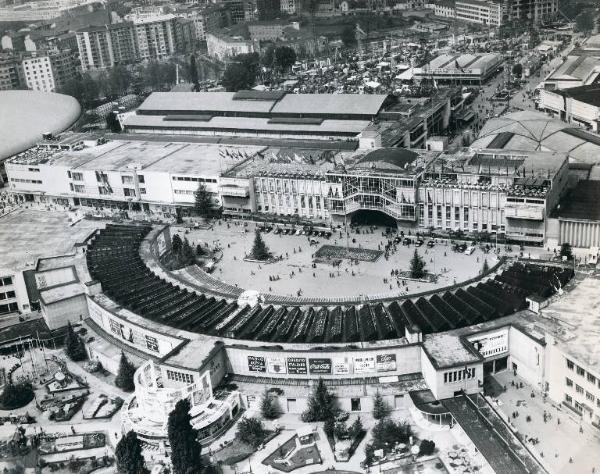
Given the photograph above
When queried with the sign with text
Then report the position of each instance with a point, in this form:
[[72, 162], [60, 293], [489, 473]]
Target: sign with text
[[319, 366], [341, 366], [386, 362], [256, 364], [276, 365], [296, 365], [364, 365]]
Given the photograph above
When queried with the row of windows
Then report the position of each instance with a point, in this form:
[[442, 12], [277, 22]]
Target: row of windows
[[6, 308], [458, 375], [8, 294], [184, 191], [180, 376], [581, 372], [29, 181], [195, 180]]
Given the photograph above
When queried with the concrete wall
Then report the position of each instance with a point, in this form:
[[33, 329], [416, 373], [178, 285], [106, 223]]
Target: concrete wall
[[341, 364], [582, 234], [529, 356], [58, 314]]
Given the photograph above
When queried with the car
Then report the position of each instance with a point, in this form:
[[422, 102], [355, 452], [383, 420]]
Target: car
[[469, 250], [298, 232], [406, 241], [430, 244], [277, 231], [419, 242], [397, 240]]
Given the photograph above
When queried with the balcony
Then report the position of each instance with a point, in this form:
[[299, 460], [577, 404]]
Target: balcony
[[234, 191]]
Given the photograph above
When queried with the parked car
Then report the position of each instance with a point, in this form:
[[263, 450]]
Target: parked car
[[430, 244], [406, 241], [469, 250], [419, 242]]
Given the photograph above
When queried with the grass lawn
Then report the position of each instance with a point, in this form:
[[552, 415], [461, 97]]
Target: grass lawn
[[302, 456], [235, 452]]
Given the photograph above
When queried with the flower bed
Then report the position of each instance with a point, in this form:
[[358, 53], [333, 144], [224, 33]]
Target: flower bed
[[50, 444], [335, 252]]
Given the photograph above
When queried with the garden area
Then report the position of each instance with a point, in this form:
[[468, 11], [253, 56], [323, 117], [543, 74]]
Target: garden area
[[336, 252], [293, 454], [100, 406], [250, 436], [60, 443], [76, 465]]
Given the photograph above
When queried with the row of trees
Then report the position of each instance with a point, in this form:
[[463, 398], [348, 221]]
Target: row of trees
[[242, 72], [120, 80]]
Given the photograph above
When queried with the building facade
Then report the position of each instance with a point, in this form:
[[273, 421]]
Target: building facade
[[49, 71], [481, 12]]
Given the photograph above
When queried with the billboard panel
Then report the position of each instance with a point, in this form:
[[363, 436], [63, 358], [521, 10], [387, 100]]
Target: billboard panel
[[341, 366], [257, 364], [386, 362], [297, 365], [364, 364], [319, 366], [276, 365]]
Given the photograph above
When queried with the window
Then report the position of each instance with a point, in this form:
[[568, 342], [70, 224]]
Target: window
[[142, 190], [152, 343], [580, 371], [141, 178], [569, 382], [77, 176], [579, 389], [568, 399], [590, 397], [10, 294], [79, 188], [127, 179], [591, 378], [570, 365], [128, 192], [180, 376], [6, 281]]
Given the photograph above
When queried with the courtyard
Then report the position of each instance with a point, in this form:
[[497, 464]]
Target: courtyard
[[300, 271]]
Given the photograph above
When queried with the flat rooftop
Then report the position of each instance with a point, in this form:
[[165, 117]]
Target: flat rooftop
[[574, 320], [263, 103], [582, 202], [448, 350], [154, 156], [247, 124], [27, 234], [61, 292]]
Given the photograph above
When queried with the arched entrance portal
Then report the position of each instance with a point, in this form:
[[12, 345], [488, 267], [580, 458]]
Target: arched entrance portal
[[373, 217]]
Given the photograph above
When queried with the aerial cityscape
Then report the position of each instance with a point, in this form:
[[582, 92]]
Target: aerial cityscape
[[300, 236]]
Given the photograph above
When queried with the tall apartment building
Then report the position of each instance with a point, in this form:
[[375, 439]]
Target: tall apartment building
[[155, 37], [123, 42], [95, 48], [531, 11], [481, 12], [48, 71], [10, 76], [205, 21]]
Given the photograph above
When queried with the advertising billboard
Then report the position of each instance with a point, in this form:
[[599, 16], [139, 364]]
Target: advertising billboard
[[276, 365], [386, 362], [297, 365], [319, 366], [257, 364], [341, 366], [364, 364]]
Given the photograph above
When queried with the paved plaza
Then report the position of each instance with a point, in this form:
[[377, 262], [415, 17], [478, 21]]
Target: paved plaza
[[295, 272], [558, 443]]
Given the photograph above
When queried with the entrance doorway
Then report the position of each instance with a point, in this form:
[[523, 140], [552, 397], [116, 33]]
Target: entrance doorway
[[355, 404]]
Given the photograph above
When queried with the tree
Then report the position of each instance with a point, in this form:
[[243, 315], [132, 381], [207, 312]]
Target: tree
[[348, 36], [203, 200], [186, 256], [285, 57], [241, 72], [380, 407], [74, 346], [356, 428], [268, 57], [386, 433], [426, 448], [176, 244], [566, 251], [321, 404], [260, 251], [269, 408], [185, 449], [417, 266], [129, 455], [251, 431], [112, 122], [124, 378], [341, 430], [517, 70], [16, 395], [237, 77], [118, 81], [584, 22], [329, 427], [194, 73], [486, 267]]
